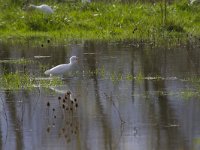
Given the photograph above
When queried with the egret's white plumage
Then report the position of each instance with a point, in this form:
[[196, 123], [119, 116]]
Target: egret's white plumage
[[43, 8], [194, 2], [86, 1], [63, 68]]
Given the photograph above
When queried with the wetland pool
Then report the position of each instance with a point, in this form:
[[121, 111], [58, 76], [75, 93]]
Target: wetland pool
[[129, 96]]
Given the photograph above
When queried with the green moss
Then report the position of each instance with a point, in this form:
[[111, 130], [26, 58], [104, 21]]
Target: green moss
[[101, 21]]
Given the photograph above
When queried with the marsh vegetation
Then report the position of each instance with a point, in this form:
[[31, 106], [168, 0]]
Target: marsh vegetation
[[136, 84], [159, 22]]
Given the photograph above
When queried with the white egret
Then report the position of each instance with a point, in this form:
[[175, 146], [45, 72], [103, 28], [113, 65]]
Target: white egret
[[43, 8], [62, 68]]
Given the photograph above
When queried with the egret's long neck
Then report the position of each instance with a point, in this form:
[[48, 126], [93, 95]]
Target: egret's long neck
[[33, 6], [71, 63]]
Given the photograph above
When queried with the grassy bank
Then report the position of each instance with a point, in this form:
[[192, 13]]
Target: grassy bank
[[100, 21]]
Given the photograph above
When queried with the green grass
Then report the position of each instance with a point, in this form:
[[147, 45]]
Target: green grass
[[101, 21]]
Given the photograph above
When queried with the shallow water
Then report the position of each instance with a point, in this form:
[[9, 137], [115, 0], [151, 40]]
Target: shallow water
[[129, 97]]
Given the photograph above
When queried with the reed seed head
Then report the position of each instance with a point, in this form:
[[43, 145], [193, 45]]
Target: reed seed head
[[69, 140], [48, 129]]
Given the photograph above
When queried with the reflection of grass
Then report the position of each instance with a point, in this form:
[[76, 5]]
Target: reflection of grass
[[19, 81]]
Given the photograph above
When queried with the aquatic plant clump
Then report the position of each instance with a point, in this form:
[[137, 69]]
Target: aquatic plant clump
[[17, 61], [14, 81], [102, 21]]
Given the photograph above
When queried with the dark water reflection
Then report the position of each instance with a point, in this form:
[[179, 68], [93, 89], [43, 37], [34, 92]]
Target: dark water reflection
[[156, 114]]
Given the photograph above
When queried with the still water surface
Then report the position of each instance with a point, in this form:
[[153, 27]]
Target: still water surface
[[134, 101]]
